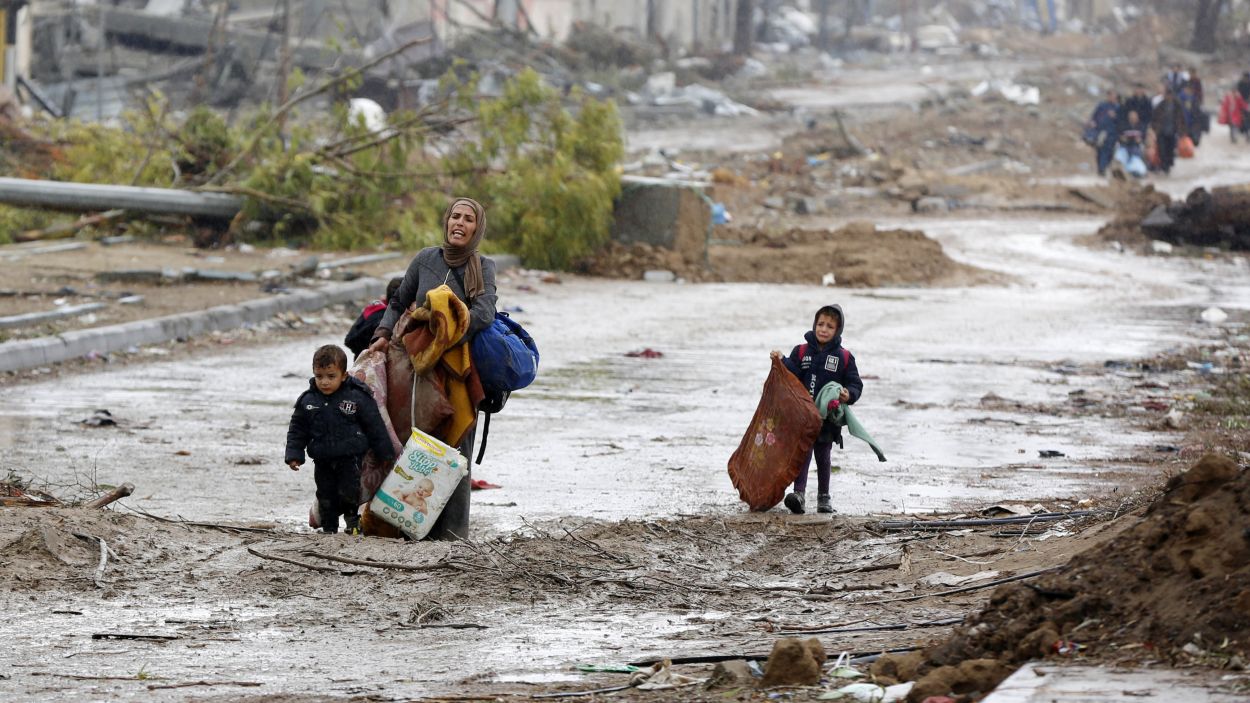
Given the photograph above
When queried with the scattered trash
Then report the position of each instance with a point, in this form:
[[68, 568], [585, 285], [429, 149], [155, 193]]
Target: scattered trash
[[720, 216], [661, 676], [659, 276], [1065, 648], [1012, 92], [1213, 316], [1160, 247], [647, 353], [99, 418], [481, 484], [608, 668], [828, 280], [1050, 453], [942, 578], [842, 669], [731, 674], [868, 693]]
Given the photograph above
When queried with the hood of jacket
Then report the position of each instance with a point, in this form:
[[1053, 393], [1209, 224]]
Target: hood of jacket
[[833, 310]]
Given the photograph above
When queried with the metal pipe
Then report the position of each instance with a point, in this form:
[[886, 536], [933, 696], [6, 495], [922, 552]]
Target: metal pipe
[[90, 197]]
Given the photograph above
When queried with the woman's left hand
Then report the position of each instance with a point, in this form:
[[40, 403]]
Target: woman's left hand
[[844, 395]]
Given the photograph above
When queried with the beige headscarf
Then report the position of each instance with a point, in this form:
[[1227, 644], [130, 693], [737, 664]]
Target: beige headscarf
[[456, 256]]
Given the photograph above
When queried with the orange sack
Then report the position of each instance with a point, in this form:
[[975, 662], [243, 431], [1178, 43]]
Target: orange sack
[[775, 446]]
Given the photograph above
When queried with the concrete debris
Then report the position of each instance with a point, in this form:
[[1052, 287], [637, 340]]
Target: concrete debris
[[35, 318], [1009, 91], [662, 91], [90, 197]]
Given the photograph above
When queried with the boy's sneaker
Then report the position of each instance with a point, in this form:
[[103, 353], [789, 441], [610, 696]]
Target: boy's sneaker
[[824, 503], [794, 501]]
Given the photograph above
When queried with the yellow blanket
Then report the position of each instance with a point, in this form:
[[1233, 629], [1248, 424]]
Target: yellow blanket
[[434, 346]]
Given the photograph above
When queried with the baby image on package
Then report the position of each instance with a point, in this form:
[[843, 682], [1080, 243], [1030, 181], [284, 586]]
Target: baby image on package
[[423, 479]]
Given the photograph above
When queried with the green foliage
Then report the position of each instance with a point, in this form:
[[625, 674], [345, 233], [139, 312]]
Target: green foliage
[[545, 171], [16, 219], [551, 202]]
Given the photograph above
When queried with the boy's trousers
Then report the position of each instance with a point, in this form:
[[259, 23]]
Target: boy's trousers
[[338, 490]]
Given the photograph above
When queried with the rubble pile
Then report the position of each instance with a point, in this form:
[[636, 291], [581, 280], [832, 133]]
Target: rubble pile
[[857, 255], [1133, 207], [1174, 587]]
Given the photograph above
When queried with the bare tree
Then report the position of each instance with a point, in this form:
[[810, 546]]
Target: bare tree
[[1206, 25], [744, 27]]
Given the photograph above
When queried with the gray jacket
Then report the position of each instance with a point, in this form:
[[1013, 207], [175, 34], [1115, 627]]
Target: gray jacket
[[428, 271]]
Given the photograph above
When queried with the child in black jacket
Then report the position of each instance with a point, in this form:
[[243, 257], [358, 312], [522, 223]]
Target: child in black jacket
[[337, 421], [817, 362]]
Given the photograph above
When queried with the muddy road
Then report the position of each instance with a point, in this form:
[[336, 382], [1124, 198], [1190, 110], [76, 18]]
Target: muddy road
[[616, 535], [606, 436], [627, 453]]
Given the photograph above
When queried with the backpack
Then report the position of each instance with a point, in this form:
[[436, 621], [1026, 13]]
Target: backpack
[[507, 360]]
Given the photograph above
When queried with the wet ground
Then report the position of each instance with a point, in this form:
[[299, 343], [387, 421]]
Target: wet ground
[[634, 449], [608, 436]]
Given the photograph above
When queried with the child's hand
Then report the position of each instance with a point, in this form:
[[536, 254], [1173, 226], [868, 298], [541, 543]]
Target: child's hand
[[294, 464], [844, 395], [774, 354]]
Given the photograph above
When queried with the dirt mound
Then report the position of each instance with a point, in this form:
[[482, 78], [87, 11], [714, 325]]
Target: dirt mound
[[58, 544], [1177, 584], [1133, 205], [858, 255]]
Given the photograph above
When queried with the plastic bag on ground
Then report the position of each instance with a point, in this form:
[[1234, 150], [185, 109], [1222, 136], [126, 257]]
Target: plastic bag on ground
[[776, 443]]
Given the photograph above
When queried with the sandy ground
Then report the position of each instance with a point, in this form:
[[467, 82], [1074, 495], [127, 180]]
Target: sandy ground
[[616, 536]]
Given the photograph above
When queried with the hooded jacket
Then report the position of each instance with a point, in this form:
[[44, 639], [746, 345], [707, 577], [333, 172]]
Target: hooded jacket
[[342, 424], [816, 365]]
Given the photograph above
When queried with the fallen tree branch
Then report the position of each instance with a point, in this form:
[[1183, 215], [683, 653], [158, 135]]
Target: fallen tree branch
[[65, 230], [983, 522], [825, 630], [27, 502], [965, 589], [208, 525], [115, 495], [286, 107], [576, 694], [133, 636], [188, 684], [377, 564], [296, 562]]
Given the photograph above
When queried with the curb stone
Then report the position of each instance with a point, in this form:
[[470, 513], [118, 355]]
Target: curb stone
[[42, 351]]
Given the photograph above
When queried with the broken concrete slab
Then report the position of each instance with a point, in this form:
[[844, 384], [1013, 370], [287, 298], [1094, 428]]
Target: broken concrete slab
[[356, 260], [672, 214], [92, 197], [165, 275], [42, 351], [35, 318], [1038, 682], [1096, 196], [12, 253], [197, 33]]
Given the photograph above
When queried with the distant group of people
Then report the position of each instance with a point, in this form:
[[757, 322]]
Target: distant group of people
[[1145, 133]]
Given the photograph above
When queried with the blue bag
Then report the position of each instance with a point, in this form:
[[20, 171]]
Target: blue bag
[[505, 356]]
